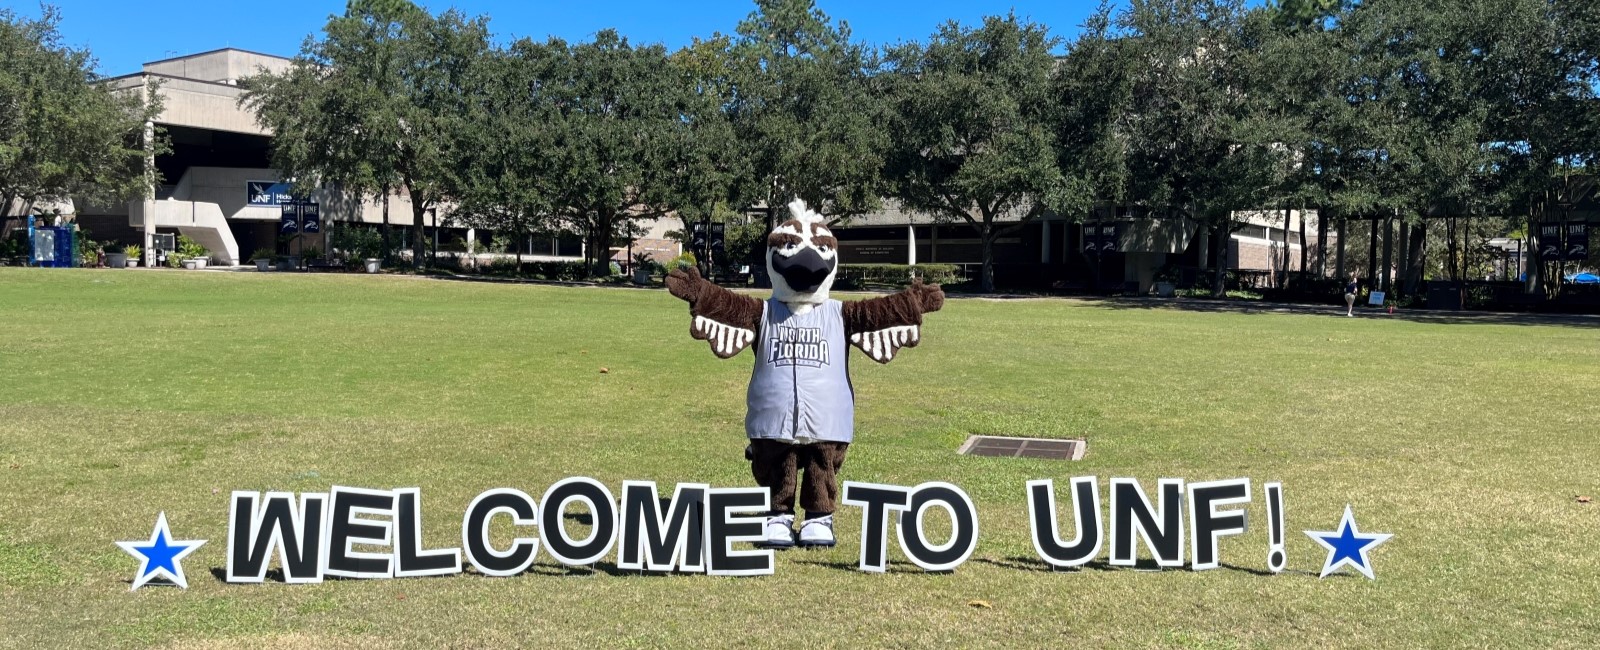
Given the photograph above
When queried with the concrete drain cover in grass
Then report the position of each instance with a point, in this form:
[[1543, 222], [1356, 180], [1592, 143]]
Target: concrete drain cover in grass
[[1007, 447]]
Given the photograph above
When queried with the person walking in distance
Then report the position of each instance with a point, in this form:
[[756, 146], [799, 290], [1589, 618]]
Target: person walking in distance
[[1350, 289]]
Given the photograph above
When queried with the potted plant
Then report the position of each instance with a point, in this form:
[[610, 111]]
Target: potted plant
[[190, 253], [116, 257], [263, 258], [373, 264], [642, 265], [309, 253], [133, 253], [1167, 281]]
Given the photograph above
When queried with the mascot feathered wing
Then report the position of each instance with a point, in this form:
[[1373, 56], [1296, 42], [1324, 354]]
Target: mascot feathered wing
[[801, 408]]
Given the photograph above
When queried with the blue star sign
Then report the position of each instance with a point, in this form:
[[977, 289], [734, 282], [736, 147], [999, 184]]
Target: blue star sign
[[161, 557], [1348, 546]]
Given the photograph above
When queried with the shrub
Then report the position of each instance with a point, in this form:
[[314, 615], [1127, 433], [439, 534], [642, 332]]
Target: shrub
[[357, 243], [263, 254], [554, 270], [684, 260], [503, 266], [188, 248], [896, 275]]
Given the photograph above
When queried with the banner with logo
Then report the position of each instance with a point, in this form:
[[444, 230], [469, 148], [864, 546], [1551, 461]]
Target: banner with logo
[[289, 223], [1550, 241], [1577, 246]]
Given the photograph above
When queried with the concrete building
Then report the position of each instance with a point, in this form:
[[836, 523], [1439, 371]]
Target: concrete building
[[1051, 252], [219, 153]]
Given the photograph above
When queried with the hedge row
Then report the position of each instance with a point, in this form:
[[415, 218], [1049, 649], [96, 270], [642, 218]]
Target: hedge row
[[859, 275]]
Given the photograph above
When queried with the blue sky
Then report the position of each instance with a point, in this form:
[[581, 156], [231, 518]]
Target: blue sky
[[126, 33]]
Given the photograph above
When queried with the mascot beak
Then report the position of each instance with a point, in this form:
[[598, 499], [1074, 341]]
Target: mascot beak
[[804, 271]]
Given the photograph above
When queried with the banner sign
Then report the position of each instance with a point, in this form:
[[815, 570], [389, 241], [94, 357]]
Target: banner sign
[[310, 217], [1550, 248], [1101, 237], [696, 530], [266, 194], [1110, 238], [289, 223], [300, 217], [1577, 246]]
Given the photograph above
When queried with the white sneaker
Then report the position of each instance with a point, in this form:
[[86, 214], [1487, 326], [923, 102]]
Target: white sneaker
[[817, 533], [780, 532]]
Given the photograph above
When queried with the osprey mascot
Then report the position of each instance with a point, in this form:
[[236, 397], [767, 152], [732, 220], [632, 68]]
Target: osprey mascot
[[800, 406]]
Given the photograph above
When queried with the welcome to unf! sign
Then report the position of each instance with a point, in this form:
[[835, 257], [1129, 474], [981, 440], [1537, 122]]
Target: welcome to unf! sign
[[315, 535]]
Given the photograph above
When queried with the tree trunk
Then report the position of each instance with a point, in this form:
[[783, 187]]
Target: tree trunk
[[1372, 256], [1322, 242], [386, 247], [1404, 262], [419, 211], [1450, 246], [986, 233], [1220, 237], [1343, 239], [1388, 254], [1531, 262], [605, 222], [1417, 256]]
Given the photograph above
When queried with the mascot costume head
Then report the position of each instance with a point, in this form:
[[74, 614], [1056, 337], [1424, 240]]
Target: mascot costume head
[[800, 407], [802, 259]]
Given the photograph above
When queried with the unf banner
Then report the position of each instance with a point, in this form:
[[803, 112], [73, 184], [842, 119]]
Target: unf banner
[[1100, 238], [1577, 246], [1550, 241], [300, 217], [289, 223]]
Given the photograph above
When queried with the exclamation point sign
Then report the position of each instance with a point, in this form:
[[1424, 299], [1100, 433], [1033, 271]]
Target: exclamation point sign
[[1276, 558]]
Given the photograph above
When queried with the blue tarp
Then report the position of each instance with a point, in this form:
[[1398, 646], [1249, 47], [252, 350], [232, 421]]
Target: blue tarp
[[1584, 278]]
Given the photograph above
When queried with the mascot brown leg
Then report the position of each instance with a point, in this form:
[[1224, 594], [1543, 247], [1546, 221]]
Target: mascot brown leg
[[774, 465], [819, 493]]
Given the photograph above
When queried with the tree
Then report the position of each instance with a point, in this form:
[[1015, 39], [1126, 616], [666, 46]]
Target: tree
[[501, 183], [1201, 143], [376, 104], [803, 103], [64, 132], [612, 132], [712, 175], [970, 127]]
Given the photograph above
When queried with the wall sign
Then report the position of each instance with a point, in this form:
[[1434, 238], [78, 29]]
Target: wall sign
[[703, 529], [266, 194]]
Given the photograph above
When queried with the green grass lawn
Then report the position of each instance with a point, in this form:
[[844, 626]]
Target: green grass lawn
[[125, 393]]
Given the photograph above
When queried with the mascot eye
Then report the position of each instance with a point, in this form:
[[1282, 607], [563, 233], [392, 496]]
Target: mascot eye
[[824, 248], [789, 246]]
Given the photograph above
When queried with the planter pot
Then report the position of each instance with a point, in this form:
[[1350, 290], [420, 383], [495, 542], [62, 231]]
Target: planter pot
[[117, 260], [1166, 289], [200, 262], [263, 265], [133, 263], [288, 263], [373, 264], [641, 277], [191, 264]]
